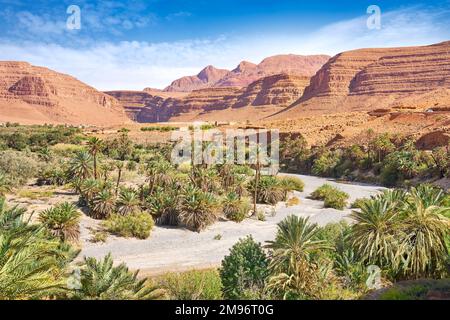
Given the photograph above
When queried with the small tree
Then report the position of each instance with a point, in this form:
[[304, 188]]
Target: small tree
[[245, 270], [95, 146]]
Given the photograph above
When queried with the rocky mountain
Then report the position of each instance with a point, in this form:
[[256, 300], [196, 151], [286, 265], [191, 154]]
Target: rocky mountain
[[370, 79], [272, 92], [206, 78], [30, 94], [246, 72]]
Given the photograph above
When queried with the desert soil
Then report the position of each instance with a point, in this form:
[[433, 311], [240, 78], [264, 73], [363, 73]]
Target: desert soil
[[175, 249]]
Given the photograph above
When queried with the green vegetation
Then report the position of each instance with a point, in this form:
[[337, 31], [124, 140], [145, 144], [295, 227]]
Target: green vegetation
[[136, 225], [403, 232], [244, 271], [235, 208], [332, 197], [62, 221], [391, 160], [160, 128], [192, 285], [100, 280]]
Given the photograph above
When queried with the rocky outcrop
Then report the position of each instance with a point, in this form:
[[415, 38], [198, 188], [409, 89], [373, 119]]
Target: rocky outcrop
[[36, 94], [277, 90], [281, 90], [246, 72], [370, 79]]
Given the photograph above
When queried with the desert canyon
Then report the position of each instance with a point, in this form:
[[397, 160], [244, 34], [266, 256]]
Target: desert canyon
[[326, 99]]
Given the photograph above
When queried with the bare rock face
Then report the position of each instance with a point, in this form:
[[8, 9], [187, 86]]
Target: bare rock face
[[206, 78], [246, 72], [370, 79], [275, 91], [281, 89], [36, 95]]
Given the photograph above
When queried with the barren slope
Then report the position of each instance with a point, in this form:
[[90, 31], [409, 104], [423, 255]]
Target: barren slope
[[30, 94]]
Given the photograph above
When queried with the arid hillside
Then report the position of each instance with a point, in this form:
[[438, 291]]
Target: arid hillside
[[370, 79], [30, 94], [256, 101]]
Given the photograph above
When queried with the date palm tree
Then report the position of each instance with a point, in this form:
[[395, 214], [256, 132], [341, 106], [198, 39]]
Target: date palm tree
[[293, 266], [425, 230], [103, 204], [80, 166], [95, 146], [377, 232], [164, 207], [101, 280], [63, 221], [198, 209], [31, 265], [128, 202]]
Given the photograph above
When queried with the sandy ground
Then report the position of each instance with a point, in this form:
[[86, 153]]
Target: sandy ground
[[175, 249]]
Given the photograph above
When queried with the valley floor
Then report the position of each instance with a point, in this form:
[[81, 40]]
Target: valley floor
[[175, 249]]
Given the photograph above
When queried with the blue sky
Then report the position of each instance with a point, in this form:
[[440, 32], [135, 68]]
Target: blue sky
[[136, 44]]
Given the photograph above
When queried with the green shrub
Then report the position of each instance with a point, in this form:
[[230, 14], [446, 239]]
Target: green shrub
[[136, 225], [292, 183], [269, 190], [192, 285], [336, 200], [235, 208], [325, 164], [18, 167], [244, 270], [332, 197], [358, 203], [321, 192]]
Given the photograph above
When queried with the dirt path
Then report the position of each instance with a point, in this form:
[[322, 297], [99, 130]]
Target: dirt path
[[175, 249]]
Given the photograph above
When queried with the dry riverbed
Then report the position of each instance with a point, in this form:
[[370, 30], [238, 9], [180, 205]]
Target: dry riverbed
[[175, 249]]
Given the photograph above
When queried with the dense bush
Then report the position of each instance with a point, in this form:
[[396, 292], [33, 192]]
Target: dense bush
[[235, 208], [245, 270], [192, 285], [332, 197], [137, 225], [18, 167], [269, 190]]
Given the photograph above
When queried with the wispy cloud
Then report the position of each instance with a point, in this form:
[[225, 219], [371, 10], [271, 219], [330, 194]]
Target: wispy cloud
[[135, 65]]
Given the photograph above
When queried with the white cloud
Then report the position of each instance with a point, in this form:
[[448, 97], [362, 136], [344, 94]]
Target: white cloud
[[135, 65]]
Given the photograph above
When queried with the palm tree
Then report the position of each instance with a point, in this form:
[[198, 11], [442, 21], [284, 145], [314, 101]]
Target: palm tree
[[31, 265], [100, 280], [427, 195], [103, 205], [158, 174], [376, 233], [198, 209], [80, 166], [128, 202], [62, 221], [293, 267], [88, 189], [269, 190], [164, 207], [236, 208], [95, 146], [425, 229], [119, 165]]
